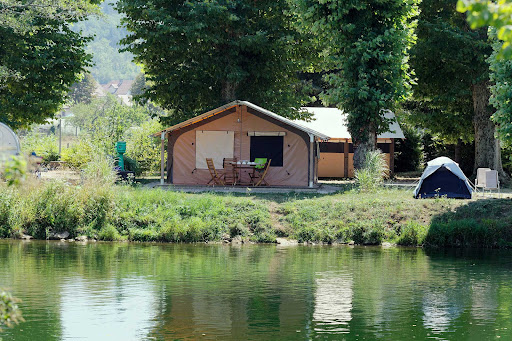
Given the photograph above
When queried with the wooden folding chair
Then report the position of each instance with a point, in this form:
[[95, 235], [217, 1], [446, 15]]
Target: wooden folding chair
[[216, 178], [230, 172], [259, 175]]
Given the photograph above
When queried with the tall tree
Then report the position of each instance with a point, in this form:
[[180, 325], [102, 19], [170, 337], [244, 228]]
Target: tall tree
[[450, 60], [83, 90], [40, 57], [365, 44], [201, 54], [501, 93]]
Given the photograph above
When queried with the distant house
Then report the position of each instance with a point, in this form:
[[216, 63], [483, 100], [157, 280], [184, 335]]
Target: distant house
[[337, 154], [119, 88]]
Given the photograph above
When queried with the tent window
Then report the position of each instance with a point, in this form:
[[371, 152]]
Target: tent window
[[384, 147], [331, 147], [270, 147], [214, 144]]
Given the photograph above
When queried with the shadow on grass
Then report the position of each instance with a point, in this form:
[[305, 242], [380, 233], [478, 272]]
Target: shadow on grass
[[483, 223]]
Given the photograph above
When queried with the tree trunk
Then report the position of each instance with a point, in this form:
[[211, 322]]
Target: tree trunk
[[487, 147], [228, 91], [361, 148]]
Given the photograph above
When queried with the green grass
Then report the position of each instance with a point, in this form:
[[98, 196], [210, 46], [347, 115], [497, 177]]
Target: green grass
[[119, 213]]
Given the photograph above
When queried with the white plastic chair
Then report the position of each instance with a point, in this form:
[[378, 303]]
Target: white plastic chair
[[480, 177], [487, 179], [492, 181]]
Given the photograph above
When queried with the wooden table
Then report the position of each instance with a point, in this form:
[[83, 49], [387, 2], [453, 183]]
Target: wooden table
[[244, 167]]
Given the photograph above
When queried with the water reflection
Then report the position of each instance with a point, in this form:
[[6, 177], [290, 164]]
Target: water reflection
[[333, 302], [189, 292], [107, 310]]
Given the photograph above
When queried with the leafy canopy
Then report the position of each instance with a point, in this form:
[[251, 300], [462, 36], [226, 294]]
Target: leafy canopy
[[40, 57], [365, 46], [201, 54], [448, 59], [482, 13]]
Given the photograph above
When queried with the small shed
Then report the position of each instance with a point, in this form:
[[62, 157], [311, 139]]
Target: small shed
[[244, 131], [337, 154]]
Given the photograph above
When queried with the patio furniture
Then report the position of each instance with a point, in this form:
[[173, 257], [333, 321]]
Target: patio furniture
[[230, 171], [487, 179], [258, 174], [244, 167], [216, 177]]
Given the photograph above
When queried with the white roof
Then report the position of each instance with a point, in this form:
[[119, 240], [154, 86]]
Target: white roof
[[218, 110], [332, 122]]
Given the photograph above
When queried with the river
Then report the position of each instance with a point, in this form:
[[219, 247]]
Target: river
[[130, 291]]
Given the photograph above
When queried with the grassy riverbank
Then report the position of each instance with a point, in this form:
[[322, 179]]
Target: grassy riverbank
[[137, 214]]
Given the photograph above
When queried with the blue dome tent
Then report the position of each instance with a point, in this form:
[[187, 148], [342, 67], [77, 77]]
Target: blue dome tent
[[443, 177]]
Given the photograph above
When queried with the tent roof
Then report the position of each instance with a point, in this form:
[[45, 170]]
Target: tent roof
[[332, 122], [230, 105]]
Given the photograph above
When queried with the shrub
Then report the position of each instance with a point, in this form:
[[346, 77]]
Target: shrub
[[100, 170], [109, 233], [43, 145], [79, 154], [366, 233], [412, 234], [370, 177]]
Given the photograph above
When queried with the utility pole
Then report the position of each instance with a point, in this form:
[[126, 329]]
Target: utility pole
[[60, 133]]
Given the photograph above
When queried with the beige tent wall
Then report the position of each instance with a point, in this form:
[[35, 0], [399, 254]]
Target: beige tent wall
[[182, 149], [332, 165]]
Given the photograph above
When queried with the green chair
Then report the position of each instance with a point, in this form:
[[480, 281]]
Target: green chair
[[260, 163]]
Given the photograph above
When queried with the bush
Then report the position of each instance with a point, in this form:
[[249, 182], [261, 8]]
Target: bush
[[412, 234], [100, 170], [43, 145], [79, 154], [143, 147], [371, 176], [366, 233]]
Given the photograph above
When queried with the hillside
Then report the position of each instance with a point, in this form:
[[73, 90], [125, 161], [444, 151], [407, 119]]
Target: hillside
[[110, 64]]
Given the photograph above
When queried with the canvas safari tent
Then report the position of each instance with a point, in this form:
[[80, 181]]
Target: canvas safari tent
[[244, 131], [443, 177], [337, 154]]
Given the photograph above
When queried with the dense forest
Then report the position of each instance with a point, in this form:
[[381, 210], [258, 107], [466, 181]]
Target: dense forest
[[109, 62]]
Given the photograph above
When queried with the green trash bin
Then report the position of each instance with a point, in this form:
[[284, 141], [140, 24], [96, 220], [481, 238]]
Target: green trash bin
[[121, 149]]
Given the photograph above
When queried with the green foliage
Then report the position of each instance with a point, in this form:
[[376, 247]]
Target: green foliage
[[143, 147], [106, 120], [408, 151], [365, 48], [443, 94], [43, 145], [491, 13], [100, 170], [15, 170], [215, 52], [370, 177], [83, 90], [40, 57], [501, 90], [412, 234], [78, 154], [10, 314]]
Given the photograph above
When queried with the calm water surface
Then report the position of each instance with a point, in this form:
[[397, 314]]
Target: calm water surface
[[166, 292]]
